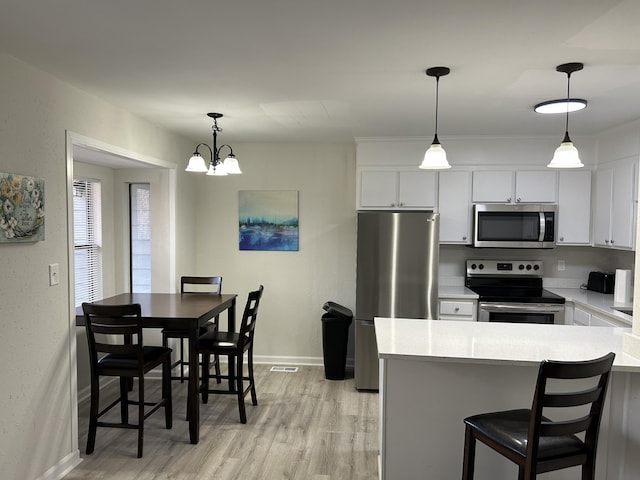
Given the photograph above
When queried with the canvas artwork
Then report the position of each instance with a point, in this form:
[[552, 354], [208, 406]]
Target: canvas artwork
[[268, 219], [21, 208]]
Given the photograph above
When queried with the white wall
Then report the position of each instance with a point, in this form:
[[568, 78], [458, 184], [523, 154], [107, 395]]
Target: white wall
[[36, 348], [296, 283]]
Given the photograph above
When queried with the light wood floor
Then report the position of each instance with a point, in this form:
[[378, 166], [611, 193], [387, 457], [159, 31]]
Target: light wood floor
[[304, 427]]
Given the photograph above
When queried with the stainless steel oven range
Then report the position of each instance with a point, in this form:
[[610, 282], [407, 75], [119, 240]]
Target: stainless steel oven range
[[511, 291]]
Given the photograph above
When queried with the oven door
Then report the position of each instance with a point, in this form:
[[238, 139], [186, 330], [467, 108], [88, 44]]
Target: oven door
[[548, 313]]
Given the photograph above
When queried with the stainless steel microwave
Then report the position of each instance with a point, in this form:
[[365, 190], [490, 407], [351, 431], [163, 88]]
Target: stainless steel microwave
[[514, 226]]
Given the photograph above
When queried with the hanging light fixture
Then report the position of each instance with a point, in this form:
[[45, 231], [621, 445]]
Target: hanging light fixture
[[566, 155], [435, 157], [216, 166]]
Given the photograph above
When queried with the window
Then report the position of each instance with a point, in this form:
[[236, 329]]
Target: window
[[140, 237], [87, 240]]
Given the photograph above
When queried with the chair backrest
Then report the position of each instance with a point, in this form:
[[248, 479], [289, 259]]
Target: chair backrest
[[249, 316], [584, 393], [185, 281], [123, 325]]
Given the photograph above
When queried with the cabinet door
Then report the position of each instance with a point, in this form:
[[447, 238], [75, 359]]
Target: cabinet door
[[378, 189], [492, 186], [536, 186], [602, 210], [454, 207], [622, 206], [417, 189], [574, 207]]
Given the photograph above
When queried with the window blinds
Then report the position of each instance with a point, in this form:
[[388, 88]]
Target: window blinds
[[87, 240]]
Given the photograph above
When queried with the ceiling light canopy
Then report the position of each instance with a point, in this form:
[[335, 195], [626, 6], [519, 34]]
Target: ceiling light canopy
[[566, 155], [216, 166], [561, 105], [435, 157]]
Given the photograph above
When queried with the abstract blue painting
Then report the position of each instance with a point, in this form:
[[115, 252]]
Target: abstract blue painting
[[268, 219]]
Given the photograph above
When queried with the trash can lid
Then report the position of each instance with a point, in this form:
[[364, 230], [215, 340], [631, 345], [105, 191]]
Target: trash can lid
[[338, 310]]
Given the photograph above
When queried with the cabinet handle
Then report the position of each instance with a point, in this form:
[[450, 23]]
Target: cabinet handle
[[518, 200], [464, 237], [392, 204], [611, 241], [401, 204], [509, 200], [606, 242], [457, 309], [562, 239]]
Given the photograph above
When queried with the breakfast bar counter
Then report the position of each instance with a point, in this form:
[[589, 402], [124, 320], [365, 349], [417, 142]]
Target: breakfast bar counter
[[434, 373]]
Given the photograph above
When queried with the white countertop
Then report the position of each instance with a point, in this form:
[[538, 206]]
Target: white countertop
[[456, 291], [598, 301], [498, 343]]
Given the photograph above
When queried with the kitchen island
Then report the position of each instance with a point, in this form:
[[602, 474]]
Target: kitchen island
[[434, 373]]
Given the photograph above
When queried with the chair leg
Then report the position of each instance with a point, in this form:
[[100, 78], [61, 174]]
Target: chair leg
[[181, 360], [205, 377], [124, 399], [254, 396], [93, 415], [216, 359], [469, 454], [240, 391], [166, 393], [589, 469], [140, 414]]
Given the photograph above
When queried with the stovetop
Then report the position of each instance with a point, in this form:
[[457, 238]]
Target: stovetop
[[511, 281]]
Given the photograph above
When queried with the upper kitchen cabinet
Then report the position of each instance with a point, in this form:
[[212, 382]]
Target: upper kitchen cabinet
[[392, 189], [536, 186], [615, 205], [574, 207], [454, 206]]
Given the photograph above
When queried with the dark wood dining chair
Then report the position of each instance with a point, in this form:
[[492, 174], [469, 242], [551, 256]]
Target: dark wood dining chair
[[536, 443], [127, 357], [190, 284], [233, 345]]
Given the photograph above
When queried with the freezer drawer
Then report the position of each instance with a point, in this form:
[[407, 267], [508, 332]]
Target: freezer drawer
[[366, 362]]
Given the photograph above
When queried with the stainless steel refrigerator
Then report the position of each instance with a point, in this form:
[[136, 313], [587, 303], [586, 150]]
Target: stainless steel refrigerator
[[397, 277]]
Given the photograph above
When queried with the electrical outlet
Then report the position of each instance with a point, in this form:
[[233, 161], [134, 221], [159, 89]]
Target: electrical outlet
[[561, 265], [54, 274]]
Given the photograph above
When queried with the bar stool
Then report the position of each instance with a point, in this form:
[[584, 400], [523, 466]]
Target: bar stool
[[533, 441]]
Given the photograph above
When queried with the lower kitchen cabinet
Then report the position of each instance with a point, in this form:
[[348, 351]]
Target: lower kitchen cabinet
[[584, 317], [460, 310]]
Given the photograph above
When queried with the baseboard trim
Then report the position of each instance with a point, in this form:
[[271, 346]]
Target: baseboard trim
[[63, 467]]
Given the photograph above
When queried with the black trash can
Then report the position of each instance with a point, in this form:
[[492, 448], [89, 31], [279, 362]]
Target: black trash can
[[335, 337]]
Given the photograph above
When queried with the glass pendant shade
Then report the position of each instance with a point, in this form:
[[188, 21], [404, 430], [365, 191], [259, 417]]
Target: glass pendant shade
[[218, 170], [435, 158], [231, 165], [566, 156], [196, 164]]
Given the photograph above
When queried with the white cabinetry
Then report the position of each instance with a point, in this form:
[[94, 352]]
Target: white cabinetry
[[574, 207], [397, 189], [461, 310], [454, 195], [585, 317], [615, 205], [514, 187]]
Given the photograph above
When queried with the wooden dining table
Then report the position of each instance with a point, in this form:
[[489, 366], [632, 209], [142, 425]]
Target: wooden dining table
[[187, 311]]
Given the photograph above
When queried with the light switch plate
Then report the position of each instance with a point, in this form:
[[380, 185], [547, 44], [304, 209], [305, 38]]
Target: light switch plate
[[54, 274]]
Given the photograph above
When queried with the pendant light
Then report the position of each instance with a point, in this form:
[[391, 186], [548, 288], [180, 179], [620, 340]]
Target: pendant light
[[435, 157], [217, 166], [566, 155]]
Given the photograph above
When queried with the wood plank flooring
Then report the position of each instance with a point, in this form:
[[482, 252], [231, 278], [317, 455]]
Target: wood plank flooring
[[304, 427]]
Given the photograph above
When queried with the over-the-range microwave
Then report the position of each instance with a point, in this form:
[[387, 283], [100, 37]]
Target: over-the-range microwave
[[522, 225]]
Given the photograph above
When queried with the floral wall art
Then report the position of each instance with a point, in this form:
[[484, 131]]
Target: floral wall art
[[268, 219], [21, 208]]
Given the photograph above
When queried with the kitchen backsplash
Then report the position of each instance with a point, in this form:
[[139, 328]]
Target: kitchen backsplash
[[578, 262]]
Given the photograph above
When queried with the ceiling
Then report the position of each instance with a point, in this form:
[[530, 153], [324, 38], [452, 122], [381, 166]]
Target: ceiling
[[335, 70]]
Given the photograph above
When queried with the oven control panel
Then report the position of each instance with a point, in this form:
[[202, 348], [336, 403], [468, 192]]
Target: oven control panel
[[504, 267]]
